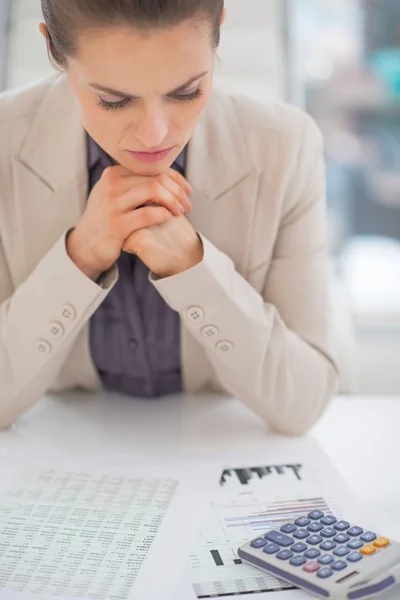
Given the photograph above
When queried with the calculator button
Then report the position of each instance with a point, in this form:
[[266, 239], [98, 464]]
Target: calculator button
[[298, 561], [312, 553], [342, 525], [328, 545], [289, 528], [382, 542], [311, 567], [299, 547], [368, 537], [325, 573], [354, 557], [339, 565], [302, 522], [328, 520], [341, 551], [314, 540], [328, 532], [271, 548], [326, 559], [301, 534], [258, 543], [341, 538], [368, 550], [315, 515], [355, 531], [284, 555], [279, 538], [355, 544], [315, 527]]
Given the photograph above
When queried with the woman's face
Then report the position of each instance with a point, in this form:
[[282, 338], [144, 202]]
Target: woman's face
[[142, 94]]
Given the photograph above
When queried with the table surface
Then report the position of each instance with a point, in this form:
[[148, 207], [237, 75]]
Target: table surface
[[359, 434]]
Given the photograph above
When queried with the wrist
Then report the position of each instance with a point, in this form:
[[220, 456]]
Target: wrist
[[79, 258], [193, 258]]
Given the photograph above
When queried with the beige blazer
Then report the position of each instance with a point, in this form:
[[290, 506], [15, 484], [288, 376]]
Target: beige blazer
[[256, 315]]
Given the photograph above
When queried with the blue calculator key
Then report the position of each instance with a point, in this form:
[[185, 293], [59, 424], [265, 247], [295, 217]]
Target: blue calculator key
[[279, 538], [328, 532], [354, 557], [301, 534], [328, 520], [355, 544], [289, 528], [315, 527], [355, 531], [258, 543], [271, 548], [298, 561], [299, 547], [341, 525], [302, 521], [325, 573], [314, 540], [312, 553], [341, 538], [326, 559], [339, 565], [368, 537], [284, 555], [341, 551], [315, 515], [328, 545]]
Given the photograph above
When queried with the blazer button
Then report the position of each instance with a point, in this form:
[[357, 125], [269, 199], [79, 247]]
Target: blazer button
[[225, 347], [195, 314], [56, 330], [43, 347], [68, 312], [210, 331]]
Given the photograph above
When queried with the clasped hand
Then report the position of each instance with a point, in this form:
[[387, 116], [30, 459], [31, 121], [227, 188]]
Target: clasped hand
[[140, 215]]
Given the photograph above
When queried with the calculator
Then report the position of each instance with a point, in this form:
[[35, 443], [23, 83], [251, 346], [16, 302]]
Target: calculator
[[328, 557]]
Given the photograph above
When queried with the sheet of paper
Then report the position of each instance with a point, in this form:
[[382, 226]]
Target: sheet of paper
[[253, 497], [77, 530]]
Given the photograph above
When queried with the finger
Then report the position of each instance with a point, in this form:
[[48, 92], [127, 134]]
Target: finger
[[176, 189], [151, 192], [180, 180], [144, 217], [116, 172]]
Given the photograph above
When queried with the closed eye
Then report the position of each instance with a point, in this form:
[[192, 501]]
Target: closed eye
[[120, 104]]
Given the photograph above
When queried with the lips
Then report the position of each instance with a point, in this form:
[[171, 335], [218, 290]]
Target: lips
[[151, 157]]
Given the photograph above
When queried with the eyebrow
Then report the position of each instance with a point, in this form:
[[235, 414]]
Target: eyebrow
[[119, 94]]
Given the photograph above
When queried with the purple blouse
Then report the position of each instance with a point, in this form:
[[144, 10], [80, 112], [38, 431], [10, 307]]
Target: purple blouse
[[134, 335]]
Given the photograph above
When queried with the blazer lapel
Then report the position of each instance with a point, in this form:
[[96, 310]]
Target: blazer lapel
[[50, 176]]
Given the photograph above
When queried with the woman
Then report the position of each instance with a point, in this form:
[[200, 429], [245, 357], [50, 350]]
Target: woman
[[156, 237]]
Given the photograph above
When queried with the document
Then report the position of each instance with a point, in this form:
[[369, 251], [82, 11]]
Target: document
[[70, 530], [253, 497]]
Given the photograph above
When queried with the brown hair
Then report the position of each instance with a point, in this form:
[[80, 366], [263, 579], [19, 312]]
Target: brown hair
[[66, 19]]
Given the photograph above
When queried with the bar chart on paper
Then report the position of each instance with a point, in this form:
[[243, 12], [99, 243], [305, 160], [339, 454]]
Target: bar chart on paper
[[251, 500]]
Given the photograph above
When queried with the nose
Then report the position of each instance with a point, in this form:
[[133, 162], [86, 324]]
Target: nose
[[152, 127]]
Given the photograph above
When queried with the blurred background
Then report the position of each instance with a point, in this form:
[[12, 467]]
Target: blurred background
[[340, 61]]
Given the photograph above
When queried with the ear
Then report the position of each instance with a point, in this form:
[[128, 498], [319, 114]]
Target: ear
[[223, 16], [43, 30]]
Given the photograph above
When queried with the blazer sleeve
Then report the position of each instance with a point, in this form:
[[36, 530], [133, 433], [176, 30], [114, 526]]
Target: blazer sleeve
[[276, 349], [39, 323]]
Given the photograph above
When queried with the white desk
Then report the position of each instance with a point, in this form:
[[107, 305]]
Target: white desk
[[361, 436]]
